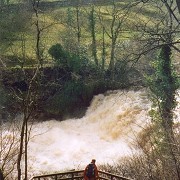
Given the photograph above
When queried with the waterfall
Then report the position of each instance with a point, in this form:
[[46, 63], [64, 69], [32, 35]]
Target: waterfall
[[104, 133]]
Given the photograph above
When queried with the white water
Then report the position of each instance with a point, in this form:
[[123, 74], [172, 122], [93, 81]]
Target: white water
[[103, 133]]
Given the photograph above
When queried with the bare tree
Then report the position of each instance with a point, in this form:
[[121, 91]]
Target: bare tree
[[118, 18], [162, 34], [29, 99], [103, 50], [78, 23], [92, 26], [8, 148]]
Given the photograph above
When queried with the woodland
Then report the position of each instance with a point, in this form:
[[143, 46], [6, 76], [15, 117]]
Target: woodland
[[56, 55]]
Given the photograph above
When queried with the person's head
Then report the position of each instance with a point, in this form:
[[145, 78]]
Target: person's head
[[93, 161]]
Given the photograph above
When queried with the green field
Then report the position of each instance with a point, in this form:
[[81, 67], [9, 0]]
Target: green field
[[59, 25]]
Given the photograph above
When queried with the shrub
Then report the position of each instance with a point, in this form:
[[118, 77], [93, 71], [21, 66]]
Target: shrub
[[58, 54], [74, 97]]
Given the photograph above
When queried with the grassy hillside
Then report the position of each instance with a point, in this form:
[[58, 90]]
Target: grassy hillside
[[55, 28]]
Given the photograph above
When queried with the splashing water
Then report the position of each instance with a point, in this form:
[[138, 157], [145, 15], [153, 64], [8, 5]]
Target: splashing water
[[103, 133]]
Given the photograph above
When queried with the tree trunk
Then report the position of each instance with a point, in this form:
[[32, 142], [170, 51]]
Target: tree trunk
[[93, 35], [103, 50], [78, 25], [167, 105], [25, 147], [178, 5], [21, 150], [111, 64]]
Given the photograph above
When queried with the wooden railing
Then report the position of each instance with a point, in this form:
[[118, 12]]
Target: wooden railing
[[77, 175]]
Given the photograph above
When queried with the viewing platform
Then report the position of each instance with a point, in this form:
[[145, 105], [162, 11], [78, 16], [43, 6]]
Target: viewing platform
[[77, 175]]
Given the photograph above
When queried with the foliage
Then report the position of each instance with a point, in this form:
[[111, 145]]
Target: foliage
[[147, 166], [164, 82], [121, 71], [74, 97], [58, 54], [3, 98], [72, 62], [83, 78], [13, 23], [9, 105], [163, 85]]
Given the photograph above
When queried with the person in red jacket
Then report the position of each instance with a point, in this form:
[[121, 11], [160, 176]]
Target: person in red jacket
[[91, 171]]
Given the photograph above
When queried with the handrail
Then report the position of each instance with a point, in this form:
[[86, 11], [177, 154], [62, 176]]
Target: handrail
[[110, 176], [73, 175], [56, 175]]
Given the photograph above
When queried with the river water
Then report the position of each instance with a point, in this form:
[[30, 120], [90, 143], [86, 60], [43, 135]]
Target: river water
[[105, 133]]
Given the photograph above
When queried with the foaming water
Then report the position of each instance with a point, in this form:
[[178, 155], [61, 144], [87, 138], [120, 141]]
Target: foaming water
[[103, 133]]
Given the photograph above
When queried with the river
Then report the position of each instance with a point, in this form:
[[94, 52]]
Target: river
[[106, 133]]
